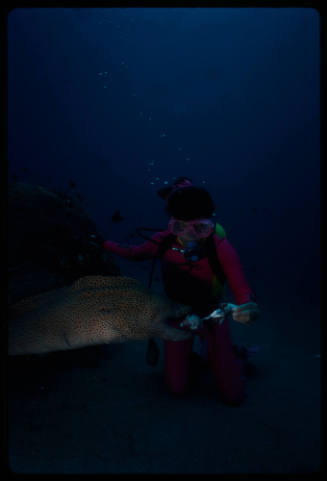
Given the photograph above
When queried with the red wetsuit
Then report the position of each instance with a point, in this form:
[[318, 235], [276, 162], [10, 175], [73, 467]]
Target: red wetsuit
[[195, 284]]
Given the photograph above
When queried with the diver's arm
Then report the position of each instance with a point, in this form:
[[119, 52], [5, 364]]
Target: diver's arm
[[147, 250], [233, 270]]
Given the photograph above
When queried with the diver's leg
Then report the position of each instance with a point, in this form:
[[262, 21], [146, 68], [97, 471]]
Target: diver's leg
[[226, 370], [178, 365]]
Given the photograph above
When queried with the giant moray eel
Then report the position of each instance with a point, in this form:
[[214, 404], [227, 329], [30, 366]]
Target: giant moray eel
[[94, 310]]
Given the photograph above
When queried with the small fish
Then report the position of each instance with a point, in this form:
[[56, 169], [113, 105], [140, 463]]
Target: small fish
[[116, 217]]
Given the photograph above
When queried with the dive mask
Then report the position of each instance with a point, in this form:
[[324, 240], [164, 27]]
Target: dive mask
[[201, 228]]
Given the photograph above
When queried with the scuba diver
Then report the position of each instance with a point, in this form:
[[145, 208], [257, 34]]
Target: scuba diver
[[197, 260]]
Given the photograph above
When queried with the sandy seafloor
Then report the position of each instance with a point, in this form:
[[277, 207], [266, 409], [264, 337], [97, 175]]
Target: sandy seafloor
[[104, 410]]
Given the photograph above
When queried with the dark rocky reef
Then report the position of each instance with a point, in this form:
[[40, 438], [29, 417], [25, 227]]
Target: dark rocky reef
[[51, 241]]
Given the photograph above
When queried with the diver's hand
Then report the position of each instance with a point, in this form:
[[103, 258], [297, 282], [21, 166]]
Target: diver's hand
[[246, 313]]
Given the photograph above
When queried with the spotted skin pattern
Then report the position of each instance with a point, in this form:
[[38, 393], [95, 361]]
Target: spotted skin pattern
[[94, 310]]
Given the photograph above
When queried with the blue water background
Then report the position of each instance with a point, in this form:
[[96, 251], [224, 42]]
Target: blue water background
[[122, 100]]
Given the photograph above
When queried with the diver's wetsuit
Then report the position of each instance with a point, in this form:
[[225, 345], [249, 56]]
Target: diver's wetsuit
[[195, 284]]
